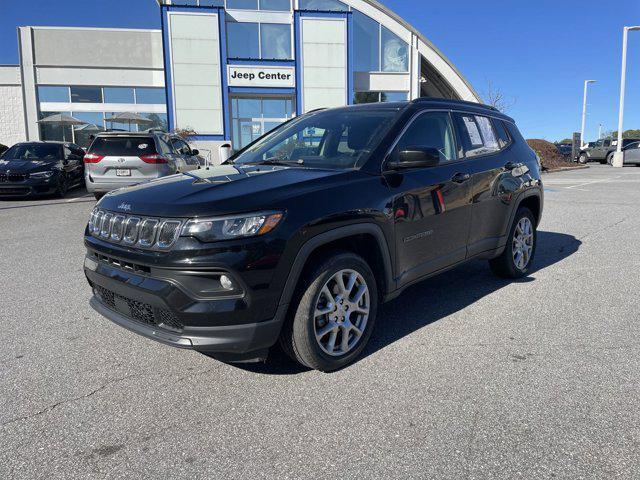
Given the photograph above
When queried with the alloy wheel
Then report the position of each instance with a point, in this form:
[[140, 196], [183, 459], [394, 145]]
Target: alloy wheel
[[522, 243], [341, 313]]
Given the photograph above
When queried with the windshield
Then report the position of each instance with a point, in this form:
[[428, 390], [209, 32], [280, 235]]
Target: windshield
[[33, 151], [123, 146], [332, 139]]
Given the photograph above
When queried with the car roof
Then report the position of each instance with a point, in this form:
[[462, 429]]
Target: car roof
[[47, 142]]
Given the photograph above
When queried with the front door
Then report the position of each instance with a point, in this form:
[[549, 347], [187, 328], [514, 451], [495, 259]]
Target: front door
[[432, 206]]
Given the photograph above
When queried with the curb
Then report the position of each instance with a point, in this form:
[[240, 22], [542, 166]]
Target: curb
[[567, 169]]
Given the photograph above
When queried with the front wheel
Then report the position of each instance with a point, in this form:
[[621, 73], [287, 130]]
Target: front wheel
[[582, 159], [517, 258], [609, 159], [63, 186], [335, 314]]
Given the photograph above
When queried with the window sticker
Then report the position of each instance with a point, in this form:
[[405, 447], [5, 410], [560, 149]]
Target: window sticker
[[143, 146], [472, 130]]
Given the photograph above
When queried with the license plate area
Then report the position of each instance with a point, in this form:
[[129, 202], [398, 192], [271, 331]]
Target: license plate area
[[123, 172]]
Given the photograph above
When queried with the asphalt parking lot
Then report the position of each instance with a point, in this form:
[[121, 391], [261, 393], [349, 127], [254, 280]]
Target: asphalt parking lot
[[467, 376]]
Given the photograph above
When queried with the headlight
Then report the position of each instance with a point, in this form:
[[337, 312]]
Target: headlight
[[47, 174], [226, 228]]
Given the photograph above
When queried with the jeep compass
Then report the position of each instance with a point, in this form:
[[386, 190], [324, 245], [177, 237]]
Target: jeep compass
[[300, 236]]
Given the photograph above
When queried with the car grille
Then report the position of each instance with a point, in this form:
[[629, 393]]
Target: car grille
[[134, 231], [13, 177], [138, 311]]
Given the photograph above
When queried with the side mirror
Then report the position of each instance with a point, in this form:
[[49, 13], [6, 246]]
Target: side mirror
[[414, 157], [195, 152]]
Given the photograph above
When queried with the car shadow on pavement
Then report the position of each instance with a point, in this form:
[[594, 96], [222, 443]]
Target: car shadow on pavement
[[433, 300]]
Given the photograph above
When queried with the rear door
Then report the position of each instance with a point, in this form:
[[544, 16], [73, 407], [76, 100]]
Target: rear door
[[74, 165], [432, 208], [488, 157], [598, 152]]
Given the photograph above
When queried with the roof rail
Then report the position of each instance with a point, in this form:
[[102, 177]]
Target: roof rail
[[460, 102]]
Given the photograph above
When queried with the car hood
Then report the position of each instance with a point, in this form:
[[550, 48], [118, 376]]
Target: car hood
[[26, 166], [221, 190]]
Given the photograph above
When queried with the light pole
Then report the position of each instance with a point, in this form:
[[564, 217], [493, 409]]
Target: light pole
[[584, 110], [618, 157], [599, 131]]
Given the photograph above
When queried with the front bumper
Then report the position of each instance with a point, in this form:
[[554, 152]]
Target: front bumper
[[30, 187], [166, 305]]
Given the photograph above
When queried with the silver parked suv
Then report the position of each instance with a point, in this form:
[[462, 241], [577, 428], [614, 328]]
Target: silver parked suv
[[120, 159]]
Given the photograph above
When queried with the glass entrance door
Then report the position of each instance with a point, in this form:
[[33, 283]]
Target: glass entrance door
[[252, 117]]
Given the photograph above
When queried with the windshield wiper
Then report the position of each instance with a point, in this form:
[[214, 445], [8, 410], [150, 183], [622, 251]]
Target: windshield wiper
[[278, 161]]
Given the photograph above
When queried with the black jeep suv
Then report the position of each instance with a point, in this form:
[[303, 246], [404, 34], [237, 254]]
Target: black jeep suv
[[300, 235]]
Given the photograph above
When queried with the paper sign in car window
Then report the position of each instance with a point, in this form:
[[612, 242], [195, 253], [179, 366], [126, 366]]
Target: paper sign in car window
[[143, 146], [472, 129]]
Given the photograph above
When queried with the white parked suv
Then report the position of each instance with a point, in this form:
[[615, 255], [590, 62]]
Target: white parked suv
[[119, 159]]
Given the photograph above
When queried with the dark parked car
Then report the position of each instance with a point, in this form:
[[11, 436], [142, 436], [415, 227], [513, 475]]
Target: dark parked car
[[603, 150], [301, 235], [564, 149], [41, 168]]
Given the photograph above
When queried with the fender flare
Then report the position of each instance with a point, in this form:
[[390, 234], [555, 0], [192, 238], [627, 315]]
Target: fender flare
[[330, 236]]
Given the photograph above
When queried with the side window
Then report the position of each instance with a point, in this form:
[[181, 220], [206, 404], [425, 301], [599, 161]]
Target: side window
[[501, 131], [607, 143], [431, 130], [67, 153], [181, 147], [477, 135], [599, 143], [165, 146]]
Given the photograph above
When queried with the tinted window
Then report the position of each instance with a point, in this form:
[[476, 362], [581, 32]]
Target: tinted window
[[243, 40], [53, 94], [607, 143], [503, 136], [366, 42], [86, 94], [477, 135], [315, 140], [33, 151], [123, 146], [374, 97], [243, 4], [431, 130], [276, 41], [151, 96], [118, 95], [281, 5], [180, 146]]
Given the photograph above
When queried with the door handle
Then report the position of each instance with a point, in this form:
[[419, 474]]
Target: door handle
[[460, 177]]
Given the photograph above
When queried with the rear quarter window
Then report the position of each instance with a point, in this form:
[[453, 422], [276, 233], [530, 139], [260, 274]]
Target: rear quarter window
[[123, 146]]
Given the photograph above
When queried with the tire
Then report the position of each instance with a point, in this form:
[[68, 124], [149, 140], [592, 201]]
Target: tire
[[583, 159], [298, 338], [609, 159], [98, 196], [63, 186], [506, 266]]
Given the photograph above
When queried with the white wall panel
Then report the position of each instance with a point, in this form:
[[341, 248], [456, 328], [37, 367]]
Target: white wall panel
[[324, 61], [381, 82], [195, 70], [107, 77]]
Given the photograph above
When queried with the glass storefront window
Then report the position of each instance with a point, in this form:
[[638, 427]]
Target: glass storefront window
[[276, 41], [366, 43], [86, 94], [253, 117], [242, 4], [374, 97], [54, 132], [243, 40], [159, 121], [118, 95], [53, 94], [149, 96], [84, 134], [323, 5], [395, 53], [275, 5]]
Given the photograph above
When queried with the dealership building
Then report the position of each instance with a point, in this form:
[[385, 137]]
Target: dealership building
[[225, 71]]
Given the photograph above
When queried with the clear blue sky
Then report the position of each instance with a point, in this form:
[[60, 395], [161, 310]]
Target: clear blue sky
[[538, 52]]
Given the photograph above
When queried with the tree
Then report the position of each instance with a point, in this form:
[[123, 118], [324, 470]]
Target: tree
[[495, 97], [626, 134]]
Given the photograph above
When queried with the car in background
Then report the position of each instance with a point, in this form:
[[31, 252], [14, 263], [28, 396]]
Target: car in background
[[41, 168], [603, 150], [632, 154], [121, 159], [564, 149]]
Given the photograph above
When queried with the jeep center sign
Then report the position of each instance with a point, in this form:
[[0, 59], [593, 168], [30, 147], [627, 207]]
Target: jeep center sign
[[282, 77]]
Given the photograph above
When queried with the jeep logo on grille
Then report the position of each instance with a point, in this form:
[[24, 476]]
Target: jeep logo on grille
[[125, 207]]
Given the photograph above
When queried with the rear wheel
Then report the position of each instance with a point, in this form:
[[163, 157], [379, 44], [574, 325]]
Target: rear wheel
[[335, 315], [609, 159], [517, 258], [582, 159]]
